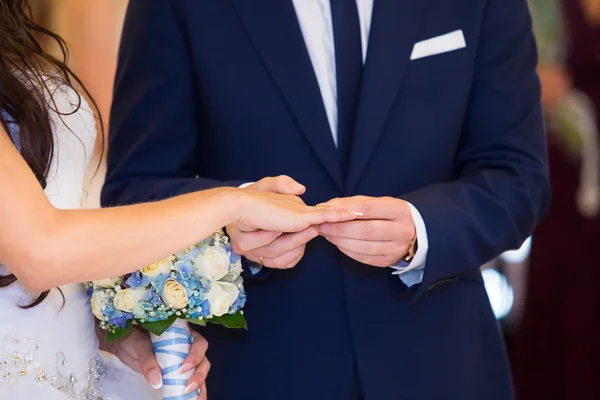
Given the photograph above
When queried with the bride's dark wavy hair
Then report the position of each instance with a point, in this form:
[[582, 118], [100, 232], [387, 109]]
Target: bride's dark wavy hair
[[25, 97]]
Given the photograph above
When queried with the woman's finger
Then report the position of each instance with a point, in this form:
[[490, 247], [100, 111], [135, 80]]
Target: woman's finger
[[197, 353], [148, 364], [342, 200], [203, 393], [199, 377], [321, 216]]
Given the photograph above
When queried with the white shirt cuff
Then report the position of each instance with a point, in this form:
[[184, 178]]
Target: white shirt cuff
[[418, 261], [517, 256]]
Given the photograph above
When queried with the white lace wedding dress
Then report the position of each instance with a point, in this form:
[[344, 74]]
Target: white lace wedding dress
[[50, 351]]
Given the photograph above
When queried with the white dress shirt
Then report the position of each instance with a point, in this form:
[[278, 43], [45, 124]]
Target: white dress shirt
[[316, 24]]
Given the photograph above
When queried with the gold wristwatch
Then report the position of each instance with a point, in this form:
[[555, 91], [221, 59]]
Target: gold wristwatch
[[412, 249]]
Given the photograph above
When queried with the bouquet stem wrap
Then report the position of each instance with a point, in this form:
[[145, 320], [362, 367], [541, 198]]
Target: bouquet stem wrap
[[171, 348]]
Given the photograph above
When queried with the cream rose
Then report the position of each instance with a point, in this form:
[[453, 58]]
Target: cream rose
[[214, 264], [159, 267], [98, 302], [174, 295], [126, 299], [221, 297], [110, 282]]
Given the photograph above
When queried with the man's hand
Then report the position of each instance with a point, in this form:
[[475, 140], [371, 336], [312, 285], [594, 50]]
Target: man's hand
[[135, 350], [277, 249], [380, 237]]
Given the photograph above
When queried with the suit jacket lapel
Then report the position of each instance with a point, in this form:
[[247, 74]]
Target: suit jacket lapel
[[273, 26], [394, 27]]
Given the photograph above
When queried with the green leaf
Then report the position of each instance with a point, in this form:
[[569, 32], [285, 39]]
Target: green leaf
[[201, 322], [158, 327], [233, 321], [119, 333]]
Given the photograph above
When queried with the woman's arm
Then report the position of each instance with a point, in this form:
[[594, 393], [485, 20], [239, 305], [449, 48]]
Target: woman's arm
[[45, 247]]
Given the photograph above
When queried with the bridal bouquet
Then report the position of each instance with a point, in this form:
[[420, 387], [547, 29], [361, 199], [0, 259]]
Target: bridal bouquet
[[199, 285]]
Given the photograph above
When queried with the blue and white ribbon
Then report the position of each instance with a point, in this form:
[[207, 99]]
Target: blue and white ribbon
[[171, 348]]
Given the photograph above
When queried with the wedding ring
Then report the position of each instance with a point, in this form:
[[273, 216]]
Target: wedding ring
[[262, 261]]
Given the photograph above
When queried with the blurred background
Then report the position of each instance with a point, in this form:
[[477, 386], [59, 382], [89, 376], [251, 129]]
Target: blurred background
[[545, 295]]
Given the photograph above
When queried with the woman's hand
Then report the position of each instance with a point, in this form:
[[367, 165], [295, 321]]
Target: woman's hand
[[259, 210], [135, 350]]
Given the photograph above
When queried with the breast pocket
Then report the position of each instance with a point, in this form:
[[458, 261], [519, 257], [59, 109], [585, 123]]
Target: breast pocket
[[438, 66]]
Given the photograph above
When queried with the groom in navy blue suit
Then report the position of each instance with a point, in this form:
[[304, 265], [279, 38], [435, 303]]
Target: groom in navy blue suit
[[424, 115]]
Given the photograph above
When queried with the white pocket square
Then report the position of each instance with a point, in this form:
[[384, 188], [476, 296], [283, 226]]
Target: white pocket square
[[438, 45]]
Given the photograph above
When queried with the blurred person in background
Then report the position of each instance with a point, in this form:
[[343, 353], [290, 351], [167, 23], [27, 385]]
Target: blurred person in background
[[556, 348]]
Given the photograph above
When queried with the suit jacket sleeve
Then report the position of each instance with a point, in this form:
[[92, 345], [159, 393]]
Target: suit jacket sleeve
[[502, 190], [154, 133]]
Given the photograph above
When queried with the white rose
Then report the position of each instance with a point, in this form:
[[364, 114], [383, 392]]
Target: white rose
[[214, 264], [221, 297], [109, 282], [159, 267], [174, 295], [127, 299], [98, 303]]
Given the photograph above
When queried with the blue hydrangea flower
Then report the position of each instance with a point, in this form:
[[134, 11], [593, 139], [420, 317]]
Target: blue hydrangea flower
[[189, 257], [109, 310], [239, 303], [234, 257], [195, 301], [186, 270], [120, 319], [137, 280], [204, 311], [153, 299], [158, 282]]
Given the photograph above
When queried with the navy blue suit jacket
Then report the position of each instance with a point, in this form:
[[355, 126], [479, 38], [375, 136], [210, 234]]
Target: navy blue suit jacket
[[221, 92]]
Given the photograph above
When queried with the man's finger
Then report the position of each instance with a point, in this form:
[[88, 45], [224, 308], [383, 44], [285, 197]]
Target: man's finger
[[148, 364], [245, 242], [376, 261], [294, 262], [365, 247], [286, 243], [282, 184], [341, 200], [363, 230], [284, 260]]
